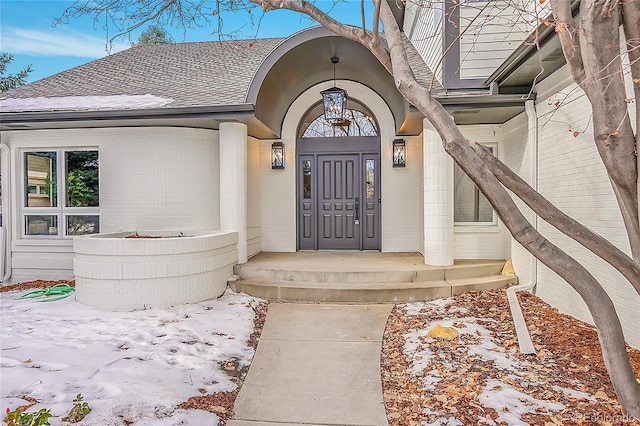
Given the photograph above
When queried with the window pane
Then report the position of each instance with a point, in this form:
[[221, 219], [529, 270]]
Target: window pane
[[82, 178], [357, 124], [306, 179], [470, 205], [485, 211], [81, 225], [464, 197], [371, 178], [40, 179], [41, 225]]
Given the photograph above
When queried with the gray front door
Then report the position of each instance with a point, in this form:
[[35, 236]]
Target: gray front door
[[339, 196], [338, 202]]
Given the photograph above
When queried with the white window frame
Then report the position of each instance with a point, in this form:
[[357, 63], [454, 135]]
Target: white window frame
[[61, 211], [494, 222]]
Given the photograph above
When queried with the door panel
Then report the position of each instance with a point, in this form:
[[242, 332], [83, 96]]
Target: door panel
[[371, 203], [338, 175], [306, 202]]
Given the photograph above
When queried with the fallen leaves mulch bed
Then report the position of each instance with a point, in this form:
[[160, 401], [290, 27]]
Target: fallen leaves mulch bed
[[481, 378], [30, 285]]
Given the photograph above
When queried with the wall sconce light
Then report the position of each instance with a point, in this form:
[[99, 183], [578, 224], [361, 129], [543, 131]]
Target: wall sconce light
[[277, 155], [399, 153]]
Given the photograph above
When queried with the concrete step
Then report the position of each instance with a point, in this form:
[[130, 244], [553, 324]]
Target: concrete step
[[357, 273], [367, 292], [493, 282]]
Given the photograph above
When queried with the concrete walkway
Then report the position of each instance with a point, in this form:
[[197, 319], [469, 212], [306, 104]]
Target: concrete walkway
[[316, 365]]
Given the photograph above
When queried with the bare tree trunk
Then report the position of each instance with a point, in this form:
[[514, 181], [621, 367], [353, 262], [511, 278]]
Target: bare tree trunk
[[597, 300], [593, 51]]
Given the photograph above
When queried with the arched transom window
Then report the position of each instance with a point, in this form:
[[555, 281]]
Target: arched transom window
[[359, 122]]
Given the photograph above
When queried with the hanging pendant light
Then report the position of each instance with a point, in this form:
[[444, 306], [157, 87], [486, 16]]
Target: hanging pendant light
[[334, 100]]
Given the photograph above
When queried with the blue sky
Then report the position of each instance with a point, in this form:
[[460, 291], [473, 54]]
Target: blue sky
[[27, 32]]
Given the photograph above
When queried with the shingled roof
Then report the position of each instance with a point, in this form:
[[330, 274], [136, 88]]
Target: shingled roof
[[204, 74], [181, 74]]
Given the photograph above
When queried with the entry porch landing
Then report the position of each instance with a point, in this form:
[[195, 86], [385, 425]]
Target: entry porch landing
[[363, 277]]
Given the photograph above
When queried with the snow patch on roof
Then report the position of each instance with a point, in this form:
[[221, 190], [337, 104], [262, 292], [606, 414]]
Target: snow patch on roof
[[84, 103]]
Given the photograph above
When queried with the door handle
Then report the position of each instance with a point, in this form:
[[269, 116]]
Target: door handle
[[357, 210]]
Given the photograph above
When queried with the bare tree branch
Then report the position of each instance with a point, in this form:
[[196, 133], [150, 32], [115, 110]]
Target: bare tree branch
[[347, 31], [569, 37], [376, 20]]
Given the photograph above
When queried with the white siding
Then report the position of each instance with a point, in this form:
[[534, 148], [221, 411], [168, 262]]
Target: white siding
[[492, 33], [478, 241], [150, 178], [38, 260], [424, 27]]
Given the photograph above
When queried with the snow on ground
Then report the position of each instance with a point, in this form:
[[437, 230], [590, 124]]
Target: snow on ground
[[134, 366], [511, 404]]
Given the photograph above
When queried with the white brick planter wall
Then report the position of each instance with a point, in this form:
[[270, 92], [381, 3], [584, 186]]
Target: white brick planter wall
[[117, 273]]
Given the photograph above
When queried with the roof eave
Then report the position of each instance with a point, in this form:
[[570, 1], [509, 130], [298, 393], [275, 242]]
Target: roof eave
[[484, 100], [202, 117], [217, 112], [527, 49]]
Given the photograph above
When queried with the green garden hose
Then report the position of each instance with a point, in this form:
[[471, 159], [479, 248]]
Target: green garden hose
[[51, 294]]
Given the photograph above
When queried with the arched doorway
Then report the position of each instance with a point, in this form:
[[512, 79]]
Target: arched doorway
[[338, 181]]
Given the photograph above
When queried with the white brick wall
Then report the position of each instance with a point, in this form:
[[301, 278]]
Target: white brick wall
[[277, 207], [233, 183], [151, 177], [517, 156], [254, 197], [402, 195], [571, 175], [158, 178], [438, 200], [123, 274]]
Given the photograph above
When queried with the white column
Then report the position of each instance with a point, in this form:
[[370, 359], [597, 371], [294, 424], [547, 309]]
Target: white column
[[438, 200], [233, 183]]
